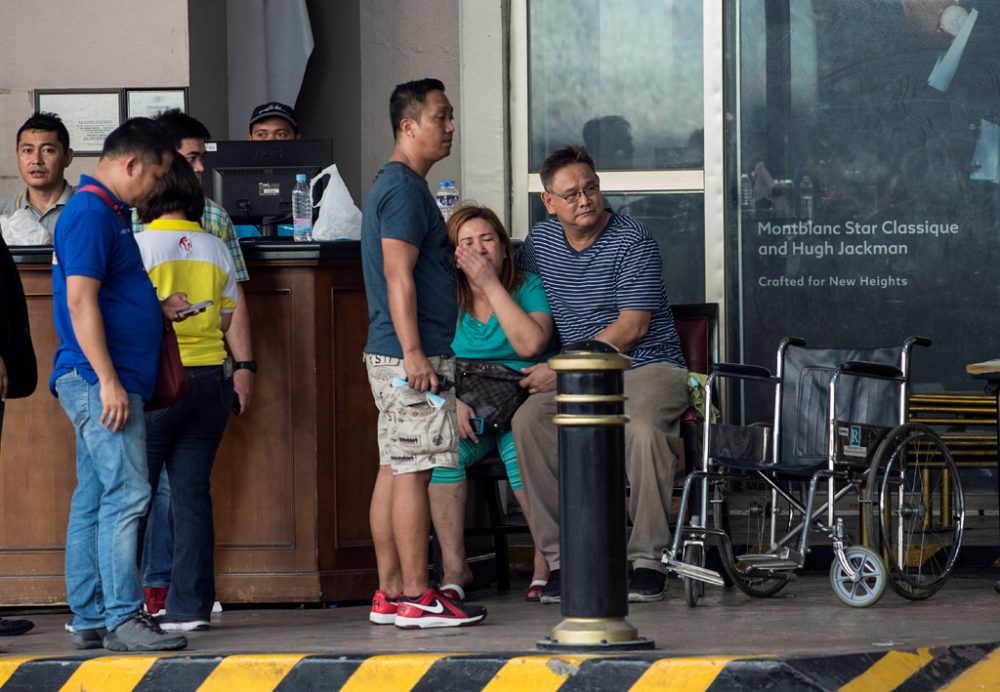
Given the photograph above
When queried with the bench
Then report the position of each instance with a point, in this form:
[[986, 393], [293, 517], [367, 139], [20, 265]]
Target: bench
[[698, 328]]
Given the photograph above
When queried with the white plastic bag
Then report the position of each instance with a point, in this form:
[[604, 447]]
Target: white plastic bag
[[22, 228], [338, 218]]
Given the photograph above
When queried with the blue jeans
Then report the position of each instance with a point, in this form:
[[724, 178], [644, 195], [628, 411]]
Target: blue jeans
[[158, 542], [184, 438], [111, 496]]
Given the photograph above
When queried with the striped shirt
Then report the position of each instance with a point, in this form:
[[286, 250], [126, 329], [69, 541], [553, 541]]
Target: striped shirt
[[620, 270], [181, 256], [216, 221]]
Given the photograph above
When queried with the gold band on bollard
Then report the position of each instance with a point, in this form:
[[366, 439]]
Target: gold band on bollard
[[570, 362], [593, 631], [590, 398], [573, 419]]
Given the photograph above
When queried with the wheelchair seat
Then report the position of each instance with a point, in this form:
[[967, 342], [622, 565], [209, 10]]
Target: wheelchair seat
[[796, 444]]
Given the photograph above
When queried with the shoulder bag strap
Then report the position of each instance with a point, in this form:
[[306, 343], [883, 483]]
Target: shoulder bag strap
[[100, 192]]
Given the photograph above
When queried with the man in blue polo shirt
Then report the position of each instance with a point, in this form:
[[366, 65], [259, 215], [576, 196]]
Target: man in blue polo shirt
[[602, 274], [109, 322]]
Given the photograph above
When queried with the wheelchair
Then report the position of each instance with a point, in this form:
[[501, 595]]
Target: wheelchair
[[839, 424]]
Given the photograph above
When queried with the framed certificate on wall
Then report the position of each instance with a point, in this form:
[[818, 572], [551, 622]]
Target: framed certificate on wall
[[89, 115], [149, 103]]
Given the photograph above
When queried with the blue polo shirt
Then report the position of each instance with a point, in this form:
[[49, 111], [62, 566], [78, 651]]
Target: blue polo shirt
[[92, 240]]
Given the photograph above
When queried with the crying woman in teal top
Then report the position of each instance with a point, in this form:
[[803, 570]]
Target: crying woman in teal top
[[503, 317]]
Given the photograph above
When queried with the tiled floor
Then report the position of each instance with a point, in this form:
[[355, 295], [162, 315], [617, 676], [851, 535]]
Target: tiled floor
[[804, 618]]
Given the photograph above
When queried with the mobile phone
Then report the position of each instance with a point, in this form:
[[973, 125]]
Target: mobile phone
[[194, 309]]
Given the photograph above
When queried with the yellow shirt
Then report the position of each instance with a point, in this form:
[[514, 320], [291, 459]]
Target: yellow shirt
[[181, 256]]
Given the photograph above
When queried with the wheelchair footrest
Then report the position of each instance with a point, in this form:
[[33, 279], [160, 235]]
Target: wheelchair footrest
[[693, 572], [765, 561]]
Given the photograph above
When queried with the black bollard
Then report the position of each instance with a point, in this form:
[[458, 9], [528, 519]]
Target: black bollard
[[591, 419]]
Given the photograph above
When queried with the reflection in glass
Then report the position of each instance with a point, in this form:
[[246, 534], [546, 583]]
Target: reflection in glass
[[874, 204], [623, 78], [677, 222]]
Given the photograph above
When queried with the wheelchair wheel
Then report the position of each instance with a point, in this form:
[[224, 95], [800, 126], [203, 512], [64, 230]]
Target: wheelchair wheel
[[869, 588], [920, 509], [694, 589], [748, 530]]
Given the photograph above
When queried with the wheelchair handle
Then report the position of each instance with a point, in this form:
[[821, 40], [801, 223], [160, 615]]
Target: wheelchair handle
[[918, 341]]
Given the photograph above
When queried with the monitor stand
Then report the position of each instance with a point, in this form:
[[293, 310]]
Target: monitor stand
[[269, 227]]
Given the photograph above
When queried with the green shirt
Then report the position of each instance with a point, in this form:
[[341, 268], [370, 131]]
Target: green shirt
[[479, 341]]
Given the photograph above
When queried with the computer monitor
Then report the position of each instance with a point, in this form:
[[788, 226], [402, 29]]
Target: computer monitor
[[253, 181]]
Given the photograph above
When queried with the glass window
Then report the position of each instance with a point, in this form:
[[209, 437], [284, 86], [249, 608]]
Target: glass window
[[622, 78], [869, 177]]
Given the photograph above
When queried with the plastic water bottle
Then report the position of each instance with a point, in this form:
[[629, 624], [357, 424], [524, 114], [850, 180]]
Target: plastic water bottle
[[806, 198], [447, 198], [302, 209]]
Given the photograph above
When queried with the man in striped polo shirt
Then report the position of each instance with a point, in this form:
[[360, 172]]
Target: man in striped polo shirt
[[603, 278]]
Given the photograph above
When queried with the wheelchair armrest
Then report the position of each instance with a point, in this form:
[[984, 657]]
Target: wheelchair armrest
[[865, 369], [793, 341], [743, 372], [918, 341]]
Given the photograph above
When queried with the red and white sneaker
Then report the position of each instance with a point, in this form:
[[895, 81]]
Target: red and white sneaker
[[435, 610], [155, 599], [383, 609]]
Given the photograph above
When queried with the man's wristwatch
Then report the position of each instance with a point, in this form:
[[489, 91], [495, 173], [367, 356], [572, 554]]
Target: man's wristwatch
[[250, 365]]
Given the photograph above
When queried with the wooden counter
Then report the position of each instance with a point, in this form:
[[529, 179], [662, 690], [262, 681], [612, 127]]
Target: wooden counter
[[293, 478]]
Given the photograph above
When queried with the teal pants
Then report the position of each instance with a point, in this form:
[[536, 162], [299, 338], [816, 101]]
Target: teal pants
[[470, 453]]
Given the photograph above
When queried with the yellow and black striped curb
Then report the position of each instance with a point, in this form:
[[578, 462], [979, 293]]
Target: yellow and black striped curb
[[972, 667]]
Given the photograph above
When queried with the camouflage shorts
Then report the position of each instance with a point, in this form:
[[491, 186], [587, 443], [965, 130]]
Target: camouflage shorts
[[412, 434]]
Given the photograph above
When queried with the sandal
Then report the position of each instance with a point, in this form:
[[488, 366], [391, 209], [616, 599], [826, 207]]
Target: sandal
[[453, 592], [535, 590]]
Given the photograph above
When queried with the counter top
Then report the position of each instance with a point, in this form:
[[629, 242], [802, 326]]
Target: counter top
[[253, 251]]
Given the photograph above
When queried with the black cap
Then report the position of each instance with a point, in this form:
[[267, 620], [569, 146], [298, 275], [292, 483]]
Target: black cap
[[274, 109]]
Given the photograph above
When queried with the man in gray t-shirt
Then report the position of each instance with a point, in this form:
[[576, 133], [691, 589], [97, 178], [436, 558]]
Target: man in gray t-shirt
[[43, 153], [412, 307]]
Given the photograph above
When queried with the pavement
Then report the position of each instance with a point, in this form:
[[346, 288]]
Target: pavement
[[802, 638]]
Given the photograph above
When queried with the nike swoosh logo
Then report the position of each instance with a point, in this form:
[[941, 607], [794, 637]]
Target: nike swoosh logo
[[437, 608]]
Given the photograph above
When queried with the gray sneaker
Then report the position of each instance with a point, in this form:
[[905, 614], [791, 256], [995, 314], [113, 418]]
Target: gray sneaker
[[89, 639], [141, 633]]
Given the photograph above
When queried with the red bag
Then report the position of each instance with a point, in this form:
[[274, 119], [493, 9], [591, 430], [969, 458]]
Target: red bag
[[171, 380]]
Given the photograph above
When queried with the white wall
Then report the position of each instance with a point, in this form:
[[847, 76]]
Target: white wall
[[403, 40], [58, 44]]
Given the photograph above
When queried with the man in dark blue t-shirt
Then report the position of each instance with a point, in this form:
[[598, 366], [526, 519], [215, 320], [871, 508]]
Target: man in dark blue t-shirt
[[109, 321], [602, 274], [412, 308]]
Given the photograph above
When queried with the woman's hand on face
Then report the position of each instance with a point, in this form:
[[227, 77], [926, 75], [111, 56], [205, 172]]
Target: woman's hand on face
[[465, 412], [477, 268]]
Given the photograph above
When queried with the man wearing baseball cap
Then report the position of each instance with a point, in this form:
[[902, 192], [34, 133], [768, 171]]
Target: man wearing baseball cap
[[273, 120]]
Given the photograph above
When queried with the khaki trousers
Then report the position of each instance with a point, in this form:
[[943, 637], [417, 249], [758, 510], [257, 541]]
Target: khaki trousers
[[656, 398]]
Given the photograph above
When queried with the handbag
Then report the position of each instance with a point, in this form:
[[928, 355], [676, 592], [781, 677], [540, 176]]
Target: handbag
[[491, 390], [171, 380]]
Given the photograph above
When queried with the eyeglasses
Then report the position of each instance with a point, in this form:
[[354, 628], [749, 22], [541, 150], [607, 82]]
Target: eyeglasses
[[572, 197]]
